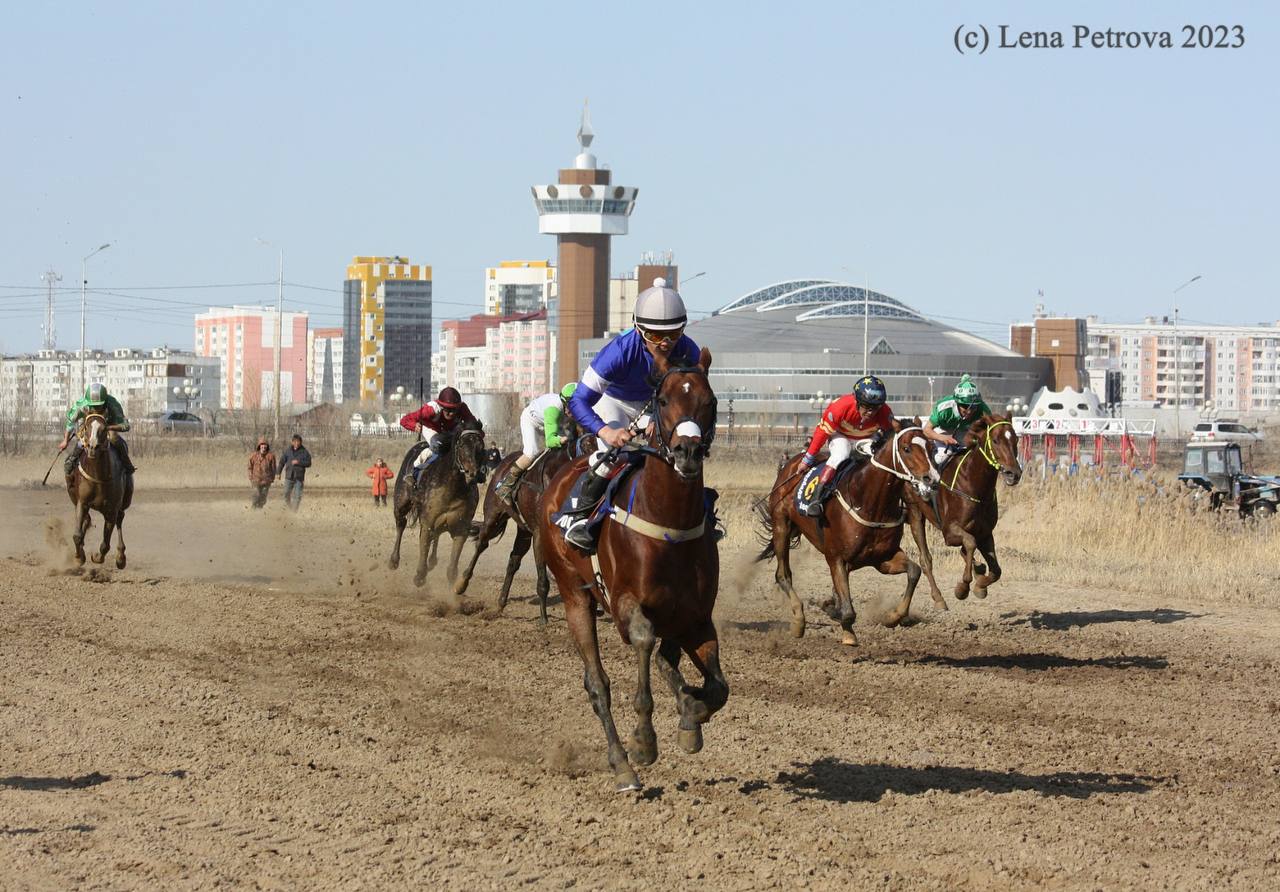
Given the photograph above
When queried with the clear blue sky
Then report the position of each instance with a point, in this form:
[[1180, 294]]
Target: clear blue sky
[[768, 141]]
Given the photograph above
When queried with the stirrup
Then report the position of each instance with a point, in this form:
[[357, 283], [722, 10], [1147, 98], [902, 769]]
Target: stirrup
[[578, 534]]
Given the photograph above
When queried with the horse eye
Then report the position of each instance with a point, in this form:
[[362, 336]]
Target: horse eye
[[662, 401]]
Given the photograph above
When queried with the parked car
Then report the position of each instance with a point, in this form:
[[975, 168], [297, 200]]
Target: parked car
[[1227, 432], [176, 423]]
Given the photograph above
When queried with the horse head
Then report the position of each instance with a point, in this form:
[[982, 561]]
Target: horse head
[[911, 455], [684, 413], [468, 451], [994, 438], [93, 433]]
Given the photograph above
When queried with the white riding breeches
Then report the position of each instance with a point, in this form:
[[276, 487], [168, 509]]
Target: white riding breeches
[[531, 436], [614, 413], [839, 448]]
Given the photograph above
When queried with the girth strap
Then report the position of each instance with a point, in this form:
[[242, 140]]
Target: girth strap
[[653, 530], [880, 525]]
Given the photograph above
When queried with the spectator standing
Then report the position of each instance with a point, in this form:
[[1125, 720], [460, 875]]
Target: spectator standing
[[293, 467], [262, 472], [380, 474]]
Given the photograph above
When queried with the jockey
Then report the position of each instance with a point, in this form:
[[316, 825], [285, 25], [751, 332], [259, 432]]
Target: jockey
[[544, 424], [617, 385], [97, 400], [440, 416], [952, 416], [860, 415]]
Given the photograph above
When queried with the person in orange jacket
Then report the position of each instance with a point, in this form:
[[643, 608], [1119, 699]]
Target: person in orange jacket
[[380, 474]]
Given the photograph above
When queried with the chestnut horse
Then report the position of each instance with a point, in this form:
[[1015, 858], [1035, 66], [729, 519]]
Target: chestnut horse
[[445, 500], [100, 483], [965, 508], [861, 524], [656, 571], [525, 515]]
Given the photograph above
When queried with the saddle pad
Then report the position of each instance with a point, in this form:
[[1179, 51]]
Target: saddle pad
[[807, 491]]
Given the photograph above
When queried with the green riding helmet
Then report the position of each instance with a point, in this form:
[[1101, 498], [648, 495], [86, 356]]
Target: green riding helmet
[[966, 392], [96, 394], [566, 392]]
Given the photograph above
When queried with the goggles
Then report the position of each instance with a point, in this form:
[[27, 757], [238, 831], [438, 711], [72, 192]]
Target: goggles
[[659, 337]]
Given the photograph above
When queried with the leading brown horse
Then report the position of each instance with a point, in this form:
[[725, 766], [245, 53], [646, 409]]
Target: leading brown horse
[[965, 508], [657, 570], [861, 525], [99, 482]]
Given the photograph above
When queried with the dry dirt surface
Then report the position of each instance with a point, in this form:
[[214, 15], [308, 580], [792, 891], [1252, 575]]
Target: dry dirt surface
[[258, 702]]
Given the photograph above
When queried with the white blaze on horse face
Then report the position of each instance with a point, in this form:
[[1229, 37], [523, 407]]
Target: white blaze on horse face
[[688, 429], [686, 387]]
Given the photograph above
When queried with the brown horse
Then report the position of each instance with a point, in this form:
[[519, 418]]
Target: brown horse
[[965, 508], [445, 500], [861, 525], [525, 514], [99, 482], [656, 571]]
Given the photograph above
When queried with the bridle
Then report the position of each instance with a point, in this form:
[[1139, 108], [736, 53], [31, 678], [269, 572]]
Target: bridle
[[457, 463], [663, 448], [988, 453], [85, 431], [898, 462]]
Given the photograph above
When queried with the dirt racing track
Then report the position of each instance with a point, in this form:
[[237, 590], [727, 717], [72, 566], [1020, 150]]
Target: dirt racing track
[[257, 701]]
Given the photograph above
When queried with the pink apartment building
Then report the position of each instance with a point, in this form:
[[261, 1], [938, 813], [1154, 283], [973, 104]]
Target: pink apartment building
[[244, 339]]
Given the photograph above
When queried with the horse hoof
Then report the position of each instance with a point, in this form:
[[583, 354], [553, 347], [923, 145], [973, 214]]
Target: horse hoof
[[460, 587], [393, 564], [97, 558], [627, 781], [961, 592], [644, 749], [419, 581], [979, 593], [848, 639], [690, 741], [120, 562], [797, 629]]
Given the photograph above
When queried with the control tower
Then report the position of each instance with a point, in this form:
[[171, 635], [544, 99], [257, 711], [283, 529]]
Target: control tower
[[583, 211]]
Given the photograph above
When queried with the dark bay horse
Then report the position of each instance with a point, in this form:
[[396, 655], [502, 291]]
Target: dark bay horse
[[657, 570], [445, 500], [861, 525], [525, 515], [966, 501], [100, 483]]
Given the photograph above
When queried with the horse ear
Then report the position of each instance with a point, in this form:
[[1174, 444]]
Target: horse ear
[[704, 359]]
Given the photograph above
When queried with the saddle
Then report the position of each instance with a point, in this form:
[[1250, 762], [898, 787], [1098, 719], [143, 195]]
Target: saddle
[[810, 484]]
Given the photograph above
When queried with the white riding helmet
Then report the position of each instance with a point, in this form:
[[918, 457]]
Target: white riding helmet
[[660, 308]]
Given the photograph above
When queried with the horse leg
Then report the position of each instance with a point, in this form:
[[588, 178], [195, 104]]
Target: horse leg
[[843, 600], [690, 709], [644, 741], [488, 530], [108, 527], [703, 647], [987, 545], [519, 548], [460, 534], [120, 559], [426, 538], [900, 563], [582, 625], [967, 547], [782, 574], [920, 532], [82, 527], [544, 583], [402, 520]]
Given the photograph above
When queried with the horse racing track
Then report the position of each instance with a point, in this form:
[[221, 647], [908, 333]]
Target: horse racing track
[[257, 700]]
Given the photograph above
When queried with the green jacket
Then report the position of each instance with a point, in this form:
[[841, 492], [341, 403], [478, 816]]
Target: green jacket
[[112, 410], [552, 434], [946, 417]]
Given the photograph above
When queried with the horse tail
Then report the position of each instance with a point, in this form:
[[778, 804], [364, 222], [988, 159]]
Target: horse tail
[[765, 531]]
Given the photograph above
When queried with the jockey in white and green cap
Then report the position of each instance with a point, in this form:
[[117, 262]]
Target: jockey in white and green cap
[[952, 415]]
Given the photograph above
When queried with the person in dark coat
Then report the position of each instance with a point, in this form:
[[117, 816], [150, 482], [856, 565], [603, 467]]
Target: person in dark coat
[[294, 462]]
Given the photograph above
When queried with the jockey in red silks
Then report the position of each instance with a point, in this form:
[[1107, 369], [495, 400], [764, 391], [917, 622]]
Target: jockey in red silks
[[860, 415], [439, 416]]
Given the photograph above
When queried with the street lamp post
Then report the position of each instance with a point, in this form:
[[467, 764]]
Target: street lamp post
[[84, 286], [1177, 362], [931, 380], [186, 392], [279, 322]]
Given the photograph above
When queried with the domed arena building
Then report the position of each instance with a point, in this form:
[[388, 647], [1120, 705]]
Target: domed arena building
[[781, 353]]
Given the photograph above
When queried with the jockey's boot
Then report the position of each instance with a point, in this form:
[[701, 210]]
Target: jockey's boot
[[825, 479], [122, 450], [70, 463], [577, 532], [506, 489]]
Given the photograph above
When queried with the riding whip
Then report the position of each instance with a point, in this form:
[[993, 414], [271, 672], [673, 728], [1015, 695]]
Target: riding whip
[[51, 464]]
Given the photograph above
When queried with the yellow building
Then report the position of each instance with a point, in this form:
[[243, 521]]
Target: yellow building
[[374, 284]]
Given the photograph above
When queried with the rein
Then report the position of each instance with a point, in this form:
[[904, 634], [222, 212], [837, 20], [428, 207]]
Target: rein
[[987, 451], [906, 477], [83, 435]]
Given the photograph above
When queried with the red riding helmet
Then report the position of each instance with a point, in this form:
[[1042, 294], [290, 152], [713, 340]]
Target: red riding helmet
[[449, 398]]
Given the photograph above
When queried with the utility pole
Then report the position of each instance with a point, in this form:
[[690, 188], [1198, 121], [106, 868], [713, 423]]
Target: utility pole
[[84, 285], [866, 322], [50, 333], [279, 320], [1177, 362]]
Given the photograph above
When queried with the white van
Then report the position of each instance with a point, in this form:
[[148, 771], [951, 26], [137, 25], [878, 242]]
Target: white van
[[1226, 432]]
